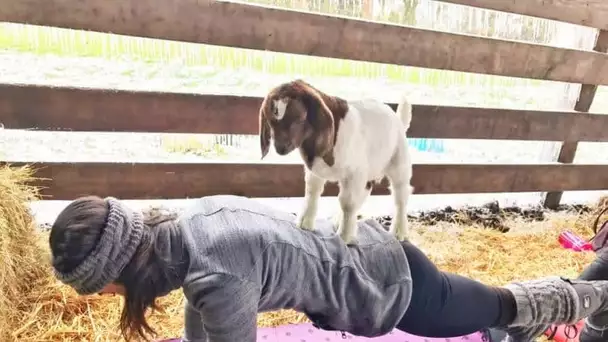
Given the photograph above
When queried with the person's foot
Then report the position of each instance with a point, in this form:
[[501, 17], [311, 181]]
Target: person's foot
[[555, 300]]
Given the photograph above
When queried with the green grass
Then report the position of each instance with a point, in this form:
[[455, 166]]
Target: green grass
[[73, 43], [192, 145]]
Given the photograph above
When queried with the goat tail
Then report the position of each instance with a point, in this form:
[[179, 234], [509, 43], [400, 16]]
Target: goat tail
[[404, 111]]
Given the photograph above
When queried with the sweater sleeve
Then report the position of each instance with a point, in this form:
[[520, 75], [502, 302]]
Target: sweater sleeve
[[227, 307], [193, 325]]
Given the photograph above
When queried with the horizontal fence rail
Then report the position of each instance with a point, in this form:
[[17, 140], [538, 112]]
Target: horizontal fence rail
[[81, 109], [66, 181], [591, 13], [289, 31]]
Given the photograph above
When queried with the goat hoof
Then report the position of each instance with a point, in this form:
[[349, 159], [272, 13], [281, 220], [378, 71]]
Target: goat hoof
[[349, 239], [401, 237], [306, 222], [347, 236], [400, 231], [336, 221]]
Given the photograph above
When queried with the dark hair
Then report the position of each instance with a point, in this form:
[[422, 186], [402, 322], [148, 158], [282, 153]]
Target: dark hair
[[75, 234]]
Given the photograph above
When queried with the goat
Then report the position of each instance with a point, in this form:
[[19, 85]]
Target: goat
[[354, 143]]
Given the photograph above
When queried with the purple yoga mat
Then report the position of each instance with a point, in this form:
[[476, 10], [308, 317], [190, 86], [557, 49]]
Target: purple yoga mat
[[308, 333]]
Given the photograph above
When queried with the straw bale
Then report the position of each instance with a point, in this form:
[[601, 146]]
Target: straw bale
[[22, 263], [528, 250]]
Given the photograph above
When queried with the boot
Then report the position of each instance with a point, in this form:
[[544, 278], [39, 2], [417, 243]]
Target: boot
[[554, 300]]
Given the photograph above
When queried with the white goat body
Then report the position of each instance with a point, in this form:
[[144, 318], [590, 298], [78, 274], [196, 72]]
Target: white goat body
[[369, 143]]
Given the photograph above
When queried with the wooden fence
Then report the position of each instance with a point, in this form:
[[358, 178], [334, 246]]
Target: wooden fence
[[281, 30]]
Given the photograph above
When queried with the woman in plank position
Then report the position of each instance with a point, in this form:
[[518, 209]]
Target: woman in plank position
[[234, 257]]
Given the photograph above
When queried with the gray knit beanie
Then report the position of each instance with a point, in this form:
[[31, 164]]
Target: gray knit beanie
[[119, 241]]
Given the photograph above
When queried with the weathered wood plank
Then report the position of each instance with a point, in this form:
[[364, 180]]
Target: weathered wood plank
[[568, 149], [82, 109], [587, 94], [280, 30], [592, 13], [169, 180], [79, 109], [566, 155]]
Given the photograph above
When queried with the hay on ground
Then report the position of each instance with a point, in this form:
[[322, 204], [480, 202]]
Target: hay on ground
[[35, 307]]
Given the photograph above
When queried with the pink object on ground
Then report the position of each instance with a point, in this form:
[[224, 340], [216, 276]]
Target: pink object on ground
[[565, 333], [308, 333], [574, 242]]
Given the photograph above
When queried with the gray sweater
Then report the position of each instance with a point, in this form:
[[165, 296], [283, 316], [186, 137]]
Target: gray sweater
[[245, 257]]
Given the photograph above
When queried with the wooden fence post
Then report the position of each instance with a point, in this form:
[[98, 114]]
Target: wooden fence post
[[583, 104]]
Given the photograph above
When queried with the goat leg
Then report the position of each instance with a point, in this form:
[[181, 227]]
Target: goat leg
[[314, 187], [353, 193]]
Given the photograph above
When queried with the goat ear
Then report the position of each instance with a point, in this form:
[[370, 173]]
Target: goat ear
[[322, 119], [264, 129]]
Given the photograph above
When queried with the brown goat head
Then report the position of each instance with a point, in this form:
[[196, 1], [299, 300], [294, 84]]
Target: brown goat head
[[295, 114]]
